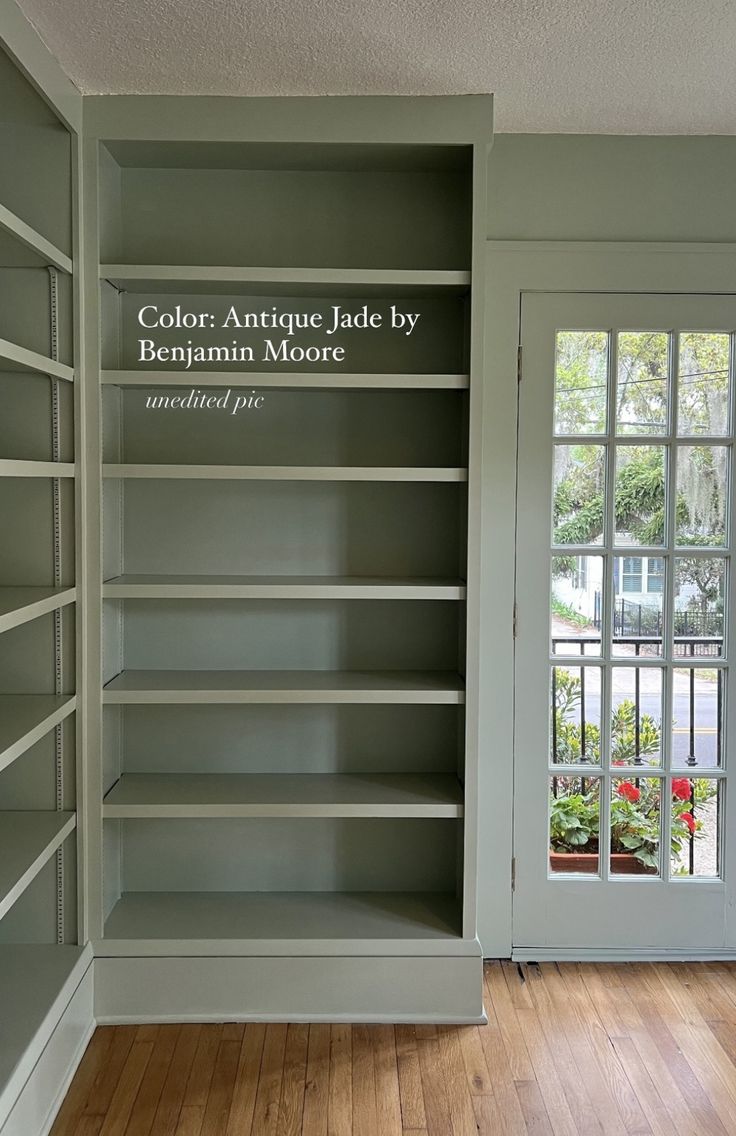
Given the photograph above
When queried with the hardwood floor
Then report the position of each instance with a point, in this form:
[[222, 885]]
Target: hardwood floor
[[569, 1050]]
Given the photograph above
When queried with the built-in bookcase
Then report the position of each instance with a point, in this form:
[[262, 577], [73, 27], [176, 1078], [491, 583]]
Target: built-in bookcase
[[39, 959], [286, 766]]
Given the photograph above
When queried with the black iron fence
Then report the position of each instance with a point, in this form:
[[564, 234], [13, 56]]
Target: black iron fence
[[641, 619]]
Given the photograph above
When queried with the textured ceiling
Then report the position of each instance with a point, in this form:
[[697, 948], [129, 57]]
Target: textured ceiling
[[570, 66]]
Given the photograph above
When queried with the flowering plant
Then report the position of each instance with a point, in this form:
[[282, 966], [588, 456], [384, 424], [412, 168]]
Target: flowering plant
[[635, 815]]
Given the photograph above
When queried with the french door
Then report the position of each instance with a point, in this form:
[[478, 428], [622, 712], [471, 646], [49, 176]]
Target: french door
[[625, 704]]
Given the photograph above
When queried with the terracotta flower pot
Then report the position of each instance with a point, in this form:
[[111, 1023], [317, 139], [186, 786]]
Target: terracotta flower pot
[[622, 863]]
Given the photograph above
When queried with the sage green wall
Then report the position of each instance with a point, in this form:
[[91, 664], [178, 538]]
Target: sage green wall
[[605, 187]]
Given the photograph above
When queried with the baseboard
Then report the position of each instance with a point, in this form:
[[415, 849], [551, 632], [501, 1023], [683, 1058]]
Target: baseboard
[[40, 1099], [620, 954], [368, 989]]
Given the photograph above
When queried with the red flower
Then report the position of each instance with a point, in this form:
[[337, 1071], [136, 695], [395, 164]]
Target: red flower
[[681, 788], [618, 763], [689, 820], [628, 791]]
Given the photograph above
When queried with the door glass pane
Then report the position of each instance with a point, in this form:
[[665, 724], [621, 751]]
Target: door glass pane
[[576, 604], [581, 382], [640, 495], [638, 605], [636, 716], [702, 496], [575, 726], [703, 394], [579, 478], [635, 826], [697, 717], [696, 820], [574, 817], [642, 382], [700, 605]]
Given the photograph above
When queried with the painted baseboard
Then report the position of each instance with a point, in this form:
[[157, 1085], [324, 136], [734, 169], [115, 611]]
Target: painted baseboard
[[368, 989], [620, 954], [34, 1111]]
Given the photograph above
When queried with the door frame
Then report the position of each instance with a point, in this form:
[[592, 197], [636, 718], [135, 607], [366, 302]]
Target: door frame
[[513, 268]]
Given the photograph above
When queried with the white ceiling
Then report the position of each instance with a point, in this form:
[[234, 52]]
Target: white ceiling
[[569, 66]]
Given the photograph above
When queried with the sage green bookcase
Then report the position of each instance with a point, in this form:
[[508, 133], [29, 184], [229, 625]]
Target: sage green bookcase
[[41, 961], [282, 824]]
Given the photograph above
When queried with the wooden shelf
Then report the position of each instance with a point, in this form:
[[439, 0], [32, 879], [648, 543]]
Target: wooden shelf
[[295, 380], [21, 605], [16, 227], [12, 468], [283, 923], [17, 358], [148, 278], [395, 687], [284, 795], [288, 472], [27, 841], [26, 718], [281, 587], [37, 981]]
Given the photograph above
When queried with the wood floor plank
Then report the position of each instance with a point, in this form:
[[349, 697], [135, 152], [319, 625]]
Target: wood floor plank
[[170, 1102], [197, 1089], [126, 1090], [108, 1076], [219, 1098], [69, 1116], [149, 1094], [340, 1102], [434, 1085], [504, 1086], [365, 1112], [707, 1120], [498, 991], [268, 1096], [317, 1089], [242, 1108], [386, 1074], [462, 1116], [291, 1106], [410, 1079]]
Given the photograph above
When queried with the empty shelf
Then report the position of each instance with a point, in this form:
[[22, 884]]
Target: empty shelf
[[37, 981], [224, 279], [284, 923], [10, 467], [300, 380], [161, 686], [12, 355], [287, 472], [284, 795], [32, 239], [27, 842], [26, 718], [282, 587], [21, 605]]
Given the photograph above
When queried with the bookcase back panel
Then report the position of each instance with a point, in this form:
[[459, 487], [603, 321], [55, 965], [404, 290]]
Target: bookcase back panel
[[32, 918], [290, 634], [25, 417], [35, 178], [307, 528], [436, 345], [368, 428], [24, 304], [329, 217], [288, 855], [30, 781], [26, 548], [286, 739]]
